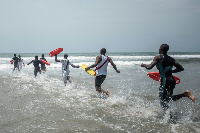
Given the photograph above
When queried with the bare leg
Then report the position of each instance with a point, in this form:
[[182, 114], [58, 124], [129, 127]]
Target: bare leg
[[18, 68], [107, 92], [188, 94], [68, 78], [102, 91]]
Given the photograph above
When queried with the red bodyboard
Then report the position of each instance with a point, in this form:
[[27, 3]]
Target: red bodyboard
[[11, 62], [56, 51], [47, 63], [156, 76]]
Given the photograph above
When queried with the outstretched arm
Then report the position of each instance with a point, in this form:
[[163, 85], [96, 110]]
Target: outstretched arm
[[30, 62], [179, 68], [75, 66], [113, 64], [56, 60], [153, 63], [95, 64]]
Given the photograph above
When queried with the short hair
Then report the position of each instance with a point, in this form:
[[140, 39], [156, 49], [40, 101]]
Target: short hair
[[65, 55], [36, 57], [164, 48], [42, 55], [103, 50]]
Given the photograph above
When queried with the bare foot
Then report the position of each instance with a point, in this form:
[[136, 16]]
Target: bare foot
[[189, 95], [108, 93]]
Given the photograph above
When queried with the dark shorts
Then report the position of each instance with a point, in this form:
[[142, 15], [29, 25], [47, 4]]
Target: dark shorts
[[16, 65], [37, 69], [99, 80], [43, 68]]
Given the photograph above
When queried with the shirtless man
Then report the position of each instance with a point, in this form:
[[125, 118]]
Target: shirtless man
[[101, 65]]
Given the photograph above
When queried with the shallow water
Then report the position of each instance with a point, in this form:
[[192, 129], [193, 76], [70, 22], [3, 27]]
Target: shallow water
[[44, 104]]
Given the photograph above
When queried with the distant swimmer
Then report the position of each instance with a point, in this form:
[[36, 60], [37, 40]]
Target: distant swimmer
[[101, 65], [20, 62], [43, 67], [36, 63], [164, 64], [16, 60], [65, 68]]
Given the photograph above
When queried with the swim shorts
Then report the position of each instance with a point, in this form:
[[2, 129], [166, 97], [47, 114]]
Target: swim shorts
[[99, 80]]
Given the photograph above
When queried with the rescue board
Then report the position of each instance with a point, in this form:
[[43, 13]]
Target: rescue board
[[156, 76], [56, 51], [45, 62], [90, 71], [11, 62]]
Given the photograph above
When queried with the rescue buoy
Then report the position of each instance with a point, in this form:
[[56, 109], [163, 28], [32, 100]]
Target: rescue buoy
[[47, 63], [56, 51], [156, 76], [11, 62]]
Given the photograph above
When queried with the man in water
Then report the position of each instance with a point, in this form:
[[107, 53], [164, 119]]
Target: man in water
[[102, 64], [164, 64], [65, 68], [20, 62], [43, 67], [36, 63], [16, 60]]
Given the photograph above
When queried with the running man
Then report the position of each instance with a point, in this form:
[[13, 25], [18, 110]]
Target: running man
[[65, 68], [20, 62], [164, 64], [36, 63], [101, 65], [16, 60], [43, 67]]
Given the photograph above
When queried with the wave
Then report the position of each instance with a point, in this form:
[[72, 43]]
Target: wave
[[121, 59]]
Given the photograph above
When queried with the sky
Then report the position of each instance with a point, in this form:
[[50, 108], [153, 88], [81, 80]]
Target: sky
[[82, 26]]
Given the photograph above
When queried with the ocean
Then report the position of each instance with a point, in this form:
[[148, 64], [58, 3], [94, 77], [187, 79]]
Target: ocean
[[44, 105]]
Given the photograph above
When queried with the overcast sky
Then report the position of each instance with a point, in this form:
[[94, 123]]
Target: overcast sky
[[40, 26]]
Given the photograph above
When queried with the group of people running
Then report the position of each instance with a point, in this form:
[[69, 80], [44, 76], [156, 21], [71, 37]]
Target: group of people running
[[18, 61], [163, 62]]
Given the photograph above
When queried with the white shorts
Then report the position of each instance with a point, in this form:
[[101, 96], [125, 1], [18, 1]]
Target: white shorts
[[20, 65]]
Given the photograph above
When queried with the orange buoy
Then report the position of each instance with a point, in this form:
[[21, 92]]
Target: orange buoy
[[156, 76], [56, 51], [47, 63]]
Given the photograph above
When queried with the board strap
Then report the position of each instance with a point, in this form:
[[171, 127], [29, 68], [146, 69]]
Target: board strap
[[101, 65]]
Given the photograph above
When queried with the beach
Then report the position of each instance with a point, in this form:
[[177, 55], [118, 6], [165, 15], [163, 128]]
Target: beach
[[44, 105]]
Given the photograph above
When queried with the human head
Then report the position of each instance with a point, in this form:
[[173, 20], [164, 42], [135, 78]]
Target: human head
[[103, 51], [36, 57], [19, 55], [15, 55], [43, 55], [163, 49], [65, 56]]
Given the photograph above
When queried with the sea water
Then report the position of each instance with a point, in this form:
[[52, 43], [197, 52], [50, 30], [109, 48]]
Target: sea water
[[44, 104]]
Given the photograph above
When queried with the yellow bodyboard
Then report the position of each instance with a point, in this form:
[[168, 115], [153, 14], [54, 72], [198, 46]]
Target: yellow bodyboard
[[90, 71]]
